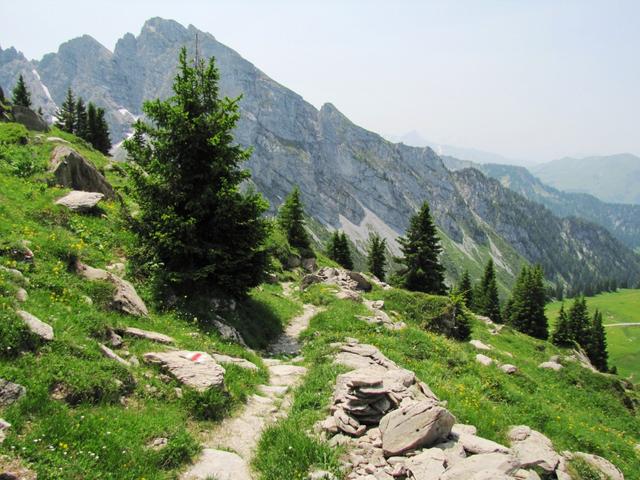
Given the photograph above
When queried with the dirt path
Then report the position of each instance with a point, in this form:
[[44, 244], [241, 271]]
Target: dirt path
[[623, 324], [230, 445]]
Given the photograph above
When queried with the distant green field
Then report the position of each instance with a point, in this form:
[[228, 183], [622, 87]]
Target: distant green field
[[624, 342]]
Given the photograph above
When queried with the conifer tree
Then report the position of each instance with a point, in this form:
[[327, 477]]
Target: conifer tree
[[562, 336], [486, 299], [377, 256], [291, 219], [525, 311], [100, 134], [579, 322], [3, 106], [597, 348], [333, 246], [465, 289], [81, 127], [338, 250], [422, 271], [196, 231], [20, 94], [67, 114]]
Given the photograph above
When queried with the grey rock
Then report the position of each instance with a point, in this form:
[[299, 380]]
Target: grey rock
[[107, 352], [551, 366], [419, 425], [72, 170], [309, 264], [508, 368], [602, 464], [362, 282], [483, 360], [473, 444], [480, 345], [22, 295], [10, 392], [227, 332], [497, 463], [197, 370], [29, 118], [241, 362], [36, 326], [533, 449], [427, 465], [147, 335], [82, 202]]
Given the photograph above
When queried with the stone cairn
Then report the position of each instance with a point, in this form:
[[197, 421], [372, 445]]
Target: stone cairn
[[394, 427]]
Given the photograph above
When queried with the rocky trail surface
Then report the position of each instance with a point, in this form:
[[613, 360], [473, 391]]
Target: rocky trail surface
[[230, 445]]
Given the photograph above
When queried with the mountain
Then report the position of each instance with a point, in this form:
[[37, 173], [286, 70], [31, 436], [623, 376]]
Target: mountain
[[350, 178], [613, 178], [622, 220]]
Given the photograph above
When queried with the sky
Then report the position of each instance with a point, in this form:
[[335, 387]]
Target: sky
[[532, 80]]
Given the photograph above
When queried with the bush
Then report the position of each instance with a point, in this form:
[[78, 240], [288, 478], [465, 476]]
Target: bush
[[212, 404], [13, 134], [180, 449], [21, 161]]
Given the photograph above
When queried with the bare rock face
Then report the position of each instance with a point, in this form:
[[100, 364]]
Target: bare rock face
[[495, 463], [197, 370], [421, 424], [78, 201], [603, 465], [10, 392], [72, 170], [125, 298], [533, 449], [36, 326]]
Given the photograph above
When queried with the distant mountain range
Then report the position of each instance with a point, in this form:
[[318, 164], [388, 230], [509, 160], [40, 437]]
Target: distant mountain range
[[622, 220], [350, 178], [612, 178]]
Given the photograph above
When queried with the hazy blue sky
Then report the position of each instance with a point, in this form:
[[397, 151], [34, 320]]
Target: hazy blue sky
[[536, 79]]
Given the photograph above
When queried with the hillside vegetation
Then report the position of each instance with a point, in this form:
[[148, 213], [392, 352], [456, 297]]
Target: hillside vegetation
[[87, 416], [621, 307]]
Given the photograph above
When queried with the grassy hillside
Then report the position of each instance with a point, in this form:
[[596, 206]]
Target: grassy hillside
[[622, 306], [111, 413]]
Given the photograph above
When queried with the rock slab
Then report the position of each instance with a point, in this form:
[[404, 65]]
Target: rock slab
[[533, 449], [197, 370], [72, 170], [79, 201], [36, 326]]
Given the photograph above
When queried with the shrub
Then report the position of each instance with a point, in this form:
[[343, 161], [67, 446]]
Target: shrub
[[180, 449], [13, 134], [212, 404]]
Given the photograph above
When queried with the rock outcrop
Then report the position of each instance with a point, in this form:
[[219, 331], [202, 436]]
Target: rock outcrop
[[72, 170], [28, 118], [197, 370], [10, 392], [79, 201]]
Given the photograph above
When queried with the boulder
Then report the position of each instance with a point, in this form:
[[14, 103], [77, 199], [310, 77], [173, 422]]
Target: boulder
[[10, 392], [29, 118], [533, 449], [496, 463], [309, 264], [420, 424], [321, 475], [125, 298], [475, 445], [427, 465], [79, 201], [72, 170], [309, 280], [16, 275], [197, 370], [480, 345], [147, 335], [227, 332], [460, 428], [22, 295], [293, 261], [14, 469], [362, 282], [4, 428], [36, 326], [483, 360], [551, 366], [508, 368], [602, 464], [107, 352], [241, 362]]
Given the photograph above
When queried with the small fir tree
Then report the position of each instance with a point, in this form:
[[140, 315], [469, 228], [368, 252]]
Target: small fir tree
[[465, 289], [81, 127], [597, 348], [579, 322], [196, 231], [66, 116], [100, 134], [525, 311], [486, 299], [562, 336], [291, 219], [377, 256], [20, 94], [338, 250], [422, 271]]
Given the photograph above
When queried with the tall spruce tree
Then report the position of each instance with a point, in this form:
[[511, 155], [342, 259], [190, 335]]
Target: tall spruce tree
[[579, 322], [562, 336], [66, 116], [486, 298], [377, 256], [597, 348], [81, 127], [100, 134], [338, 250], [20, 93], [196, 231], [291, 219], [525, 311], [422, 270], [465, 289]]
